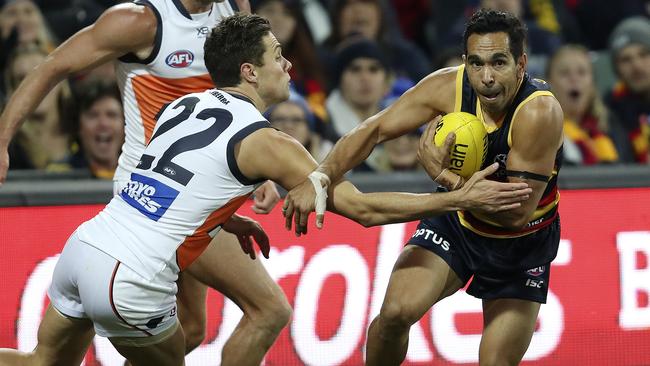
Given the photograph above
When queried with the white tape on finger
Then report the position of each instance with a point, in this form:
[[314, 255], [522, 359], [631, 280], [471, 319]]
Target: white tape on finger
[[321, 192]]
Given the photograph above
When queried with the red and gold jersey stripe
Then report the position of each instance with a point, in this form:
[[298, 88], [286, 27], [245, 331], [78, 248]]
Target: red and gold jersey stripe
[[546, 212]]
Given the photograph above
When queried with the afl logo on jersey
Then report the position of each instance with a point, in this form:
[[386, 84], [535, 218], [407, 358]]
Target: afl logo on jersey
[[180, 59], [537, 271]]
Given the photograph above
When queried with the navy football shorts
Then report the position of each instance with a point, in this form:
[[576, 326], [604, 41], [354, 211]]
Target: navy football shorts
[[502, 268]]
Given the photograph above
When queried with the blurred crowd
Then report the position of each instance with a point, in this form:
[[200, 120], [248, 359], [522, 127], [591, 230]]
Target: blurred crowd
[[351, 59]]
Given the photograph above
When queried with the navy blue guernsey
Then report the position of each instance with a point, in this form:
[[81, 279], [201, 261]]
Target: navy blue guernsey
[[499, 140]]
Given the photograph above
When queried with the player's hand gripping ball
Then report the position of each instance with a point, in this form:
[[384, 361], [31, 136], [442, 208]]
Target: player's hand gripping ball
[[470, 149]]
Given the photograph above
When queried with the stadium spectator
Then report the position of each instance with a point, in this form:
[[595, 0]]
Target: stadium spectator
[[317, 19], [596, 19], [449, 57], [70, 16], [541, 42], [44, 140], [294, 118], [413, 17], [592, 133], [630, 98], [307, 74], [99, 127], [555, 17], [21, 23], [402, 152], [362, 75], [25, 19], [368, 18]]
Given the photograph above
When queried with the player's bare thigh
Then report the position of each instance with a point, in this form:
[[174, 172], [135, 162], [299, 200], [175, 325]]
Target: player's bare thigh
[[164, 349], [62, 340], [508, 328], [226, 268], [191, 302], [419, 279]]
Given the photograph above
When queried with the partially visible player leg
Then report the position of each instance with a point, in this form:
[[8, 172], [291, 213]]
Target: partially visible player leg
[[61, 341], [226, 268], [170, 351], [508, 327], [191, 302], [420, 278]]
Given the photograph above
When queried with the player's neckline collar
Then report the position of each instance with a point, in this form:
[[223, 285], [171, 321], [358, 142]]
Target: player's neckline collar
[[241, 97], [182, 9]]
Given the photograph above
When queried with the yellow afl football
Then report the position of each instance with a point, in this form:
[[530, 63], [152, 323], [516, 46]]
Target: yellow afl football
[[470, 148]]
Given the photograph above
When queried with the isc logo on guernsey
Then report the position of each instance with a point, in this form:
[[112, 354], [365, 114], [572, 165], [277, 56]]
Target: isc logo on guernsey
[[180, 59]]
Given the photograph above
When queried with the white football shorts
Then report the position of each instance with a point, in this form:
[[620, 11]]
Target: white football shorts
[[88, 283]]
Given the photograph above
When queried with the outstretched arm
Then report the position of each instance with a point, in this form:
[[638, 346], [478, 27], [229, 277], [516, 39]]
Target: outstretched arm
[[271, 154], [417, 106], [370, 209], [121, 29]]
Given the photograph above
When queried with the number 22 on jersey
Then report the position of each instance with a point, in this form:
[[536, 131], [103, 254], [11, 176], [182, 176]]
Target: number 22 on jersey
[[146, 192]]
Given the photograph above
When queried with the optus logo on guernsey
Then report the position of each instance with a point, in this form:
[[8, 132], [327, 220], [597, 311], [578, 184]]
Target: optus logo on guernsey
[[179, 59], [433, 236]]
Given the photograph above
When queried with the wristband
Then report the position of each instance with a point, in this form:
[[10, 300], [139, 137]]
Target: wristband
[[445, 180], [437, 180], [321, 192]]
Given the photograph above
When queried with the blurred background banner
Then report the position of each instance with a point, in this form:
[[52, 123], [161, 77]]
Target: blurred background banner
[[351, 59], [598, 309]]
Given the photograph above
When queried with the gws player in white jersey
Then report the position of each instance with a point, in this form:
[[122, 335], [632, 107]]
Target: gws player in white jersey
[[207, 152], [158, 49]]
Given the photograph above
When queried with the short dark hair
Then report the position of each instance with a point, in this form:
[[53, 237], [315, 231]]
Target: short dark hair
[[87, 93], [355, 47], [91, 91], [234, 41], [492, 21]]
